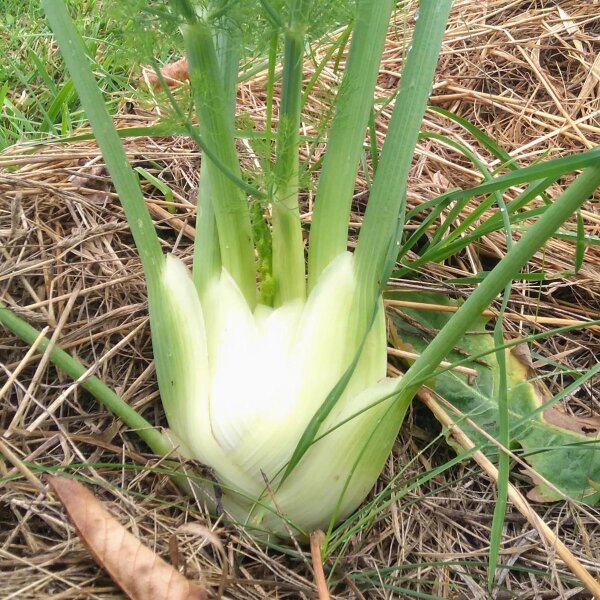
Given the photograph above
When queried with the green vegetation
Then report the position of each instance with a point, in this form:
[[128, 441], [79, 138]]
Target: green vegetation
[[261, 380], [37, 98]]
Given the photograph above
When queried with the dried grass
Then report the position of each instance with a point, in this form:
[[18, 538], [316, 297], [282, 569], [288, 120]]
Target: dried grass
[[526, 72]]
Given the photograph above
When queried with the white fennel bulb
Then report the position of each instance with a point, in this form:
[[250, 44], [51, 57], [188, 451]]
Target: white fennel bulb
[[240, 386]]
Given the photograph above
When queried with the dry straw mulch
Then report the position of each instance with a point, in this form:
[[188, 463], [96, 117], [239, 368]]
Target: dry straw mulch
[[526, 72]]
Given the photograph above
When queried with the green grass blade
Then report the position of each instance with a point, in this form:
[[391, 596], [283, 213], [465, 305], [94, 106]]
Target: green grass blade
[[481, 136], [5, 130], [373, 148], [503, 417], [494, 222], [42, 72], [580, 243], [460, 204], [159, 185], [458, 239], [507, 269], [338, 47], [61, 101], [550, 169]]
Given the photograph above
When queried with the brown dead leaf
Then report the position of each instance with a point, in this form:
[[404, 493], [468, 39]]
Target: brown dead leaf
[[175, 74], [522, 353], [138, 571], [588, 426], [536, 494], [554, 415]]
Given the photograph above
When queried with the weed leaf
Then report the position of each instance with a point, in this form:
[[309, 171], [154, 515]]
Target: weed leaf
[[561, 448]]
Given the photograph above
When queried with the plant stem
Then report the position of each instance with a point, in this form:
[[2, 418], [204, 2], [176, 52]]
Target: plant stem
[[329, 225], [385, 210], [288, 246], [207, 254], [157, 442], [504, 272], [125, 180], [228, 200]]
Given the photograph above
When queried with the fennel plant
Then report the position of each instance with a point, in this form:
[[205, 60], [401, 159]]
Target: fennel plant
[[275, 376]]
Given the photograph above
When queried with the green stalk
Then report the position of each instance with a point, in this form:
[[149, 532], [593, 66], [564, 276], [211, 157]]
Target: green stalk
[[156, 441], [371, 280], [207, 254], [270, 94], [228, 200], [329, 226], [125, 180], [387, 200], [497, 528], [288, 245], [506, 270]]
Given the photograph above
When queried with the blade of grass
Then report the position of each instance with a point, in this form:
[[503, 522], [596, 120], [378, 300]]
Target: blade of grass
[[158, 184], [580, 243], [569, 201], [518, 500], [460, 204], [481, 136], [338, 46], [550, 169], [455, 241], [61, 101], [503, 416]]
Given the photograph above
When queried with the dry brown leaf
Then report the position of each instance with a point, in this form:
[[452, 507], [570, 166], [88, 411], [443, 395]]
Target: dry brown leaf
[[175, 74], [588, 426], [138, 571], [522, 353], [554, 414]]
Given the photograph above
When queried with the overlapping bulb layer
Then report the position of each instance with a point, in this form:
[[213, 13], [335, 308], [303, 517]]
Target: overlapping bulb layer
[[239, 387]]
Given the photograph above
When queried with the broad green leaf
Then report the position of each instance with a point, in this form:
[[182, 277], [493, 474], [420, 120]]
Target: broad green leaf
[[563, 449]]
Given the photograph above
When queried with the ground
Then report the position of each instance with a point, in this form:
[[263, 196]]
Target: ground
[[525, 72]]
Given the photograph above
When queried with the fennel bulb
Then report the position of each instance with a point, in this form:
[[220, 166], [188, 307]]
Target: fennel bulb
[[239, 387], [253, 391]]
